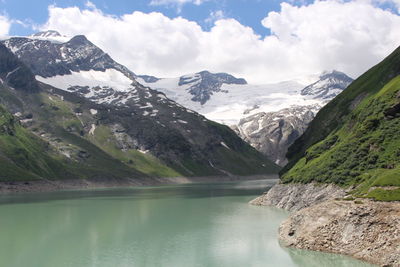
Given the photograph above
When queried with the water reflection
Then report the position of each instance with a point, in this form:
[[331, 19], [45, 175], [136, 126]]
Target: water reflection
[[199, 190]]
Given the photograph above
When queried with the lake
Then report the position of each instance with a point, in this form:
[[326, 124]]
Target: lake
[[167, 226]]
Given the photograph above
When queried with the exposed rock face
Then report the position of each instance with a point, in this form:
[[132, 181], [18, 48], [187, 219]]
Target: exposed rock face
[[295, 197], [273, 132], [47, 58], [149, 78], [364, 229], [203, 84]]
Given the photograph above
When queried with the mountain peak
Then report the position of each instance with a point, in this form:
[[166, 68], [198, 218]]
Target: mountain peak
[[79, 40], [329, 85], [336, 74], [54, 56], [203, 84], [46, 34]]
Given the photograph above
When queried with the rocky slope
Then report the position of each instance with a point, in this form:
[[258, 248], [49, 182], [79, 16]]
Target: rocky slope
[[90, 110], [295, 197], [363, 229], [272, 133]]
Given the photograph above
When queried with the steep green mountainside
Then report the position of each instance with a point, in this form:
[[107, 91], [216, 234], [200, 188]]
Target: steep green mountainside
[[355, 139], [25, 156], [49, 133]]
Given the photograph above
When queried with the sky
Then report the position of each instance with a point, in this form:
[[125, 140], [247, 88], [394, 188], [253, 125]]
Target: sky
[[261, 40]]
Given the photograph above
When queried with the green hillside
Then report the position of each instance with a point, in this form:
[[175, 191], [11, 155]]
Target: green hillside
[[355, 139]]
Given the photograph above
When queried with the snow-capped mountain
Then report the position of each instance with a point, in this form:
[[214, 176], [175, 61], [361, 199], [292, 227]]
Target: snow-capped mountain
[[203, 84], [199, 86], [49, 58], [131, 117], [232, 102], [46, 34], [80, 67], [253, 110], [272, 133], [329, 85]]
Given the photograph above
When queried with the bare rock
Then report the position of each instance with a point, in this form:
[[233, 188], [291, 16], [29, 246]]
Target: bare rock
[[365, 229], [295, 197]]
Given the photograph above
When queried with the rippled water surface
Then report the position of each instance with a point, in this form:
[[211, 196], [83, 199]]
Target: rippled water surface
[[170, 226]]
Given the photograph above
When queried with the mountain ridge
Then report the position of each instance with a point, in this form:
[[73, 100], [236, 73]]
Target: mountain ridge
[[144, 132]]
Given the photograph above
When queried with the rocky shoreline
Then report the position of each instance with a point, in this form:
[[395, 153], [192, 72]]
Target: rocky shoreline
[[298, 196], [77, 184], [321, 220]]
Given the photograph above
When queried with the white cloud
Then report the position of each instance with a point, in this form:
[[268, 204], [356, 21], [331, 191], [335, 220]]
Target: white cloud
[[5, 25], [214, 16], [349, 36]]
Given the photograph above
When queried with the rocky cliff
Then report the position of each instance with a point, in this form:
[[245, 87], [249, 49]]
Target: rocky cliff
[[272, 133]]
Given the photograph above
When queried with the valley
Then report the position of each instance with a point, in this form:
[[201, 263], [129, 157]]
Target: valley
[[72, 119]]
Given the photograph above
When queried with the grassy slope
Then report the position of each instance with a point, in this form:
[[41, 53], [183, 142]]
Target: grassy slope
[[146, 163], [351, 142], [23, 156]]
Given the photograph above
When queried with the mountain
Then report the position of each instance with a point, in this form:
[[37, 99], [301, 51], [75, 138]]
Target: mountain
[[203, 84], [272, 133], [354, 140], [98, 121], [47, 58], [32, 145], [253, 110], [228, 103], [329, 85], [47, 34], [199, 86]]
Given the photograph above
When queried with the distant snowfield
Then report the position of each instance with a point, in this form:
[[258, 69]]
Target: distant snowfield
[[109, 78], [234, 101]]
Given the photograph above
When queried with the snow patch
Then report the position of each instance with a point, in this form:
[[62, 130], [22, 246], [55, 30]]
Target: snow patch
[[92, 129], [225, 145], [92, 78]]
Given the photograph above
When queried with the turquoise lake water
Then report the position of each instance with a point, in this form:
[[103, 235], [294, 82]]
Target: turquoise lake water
[[169, 226]]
